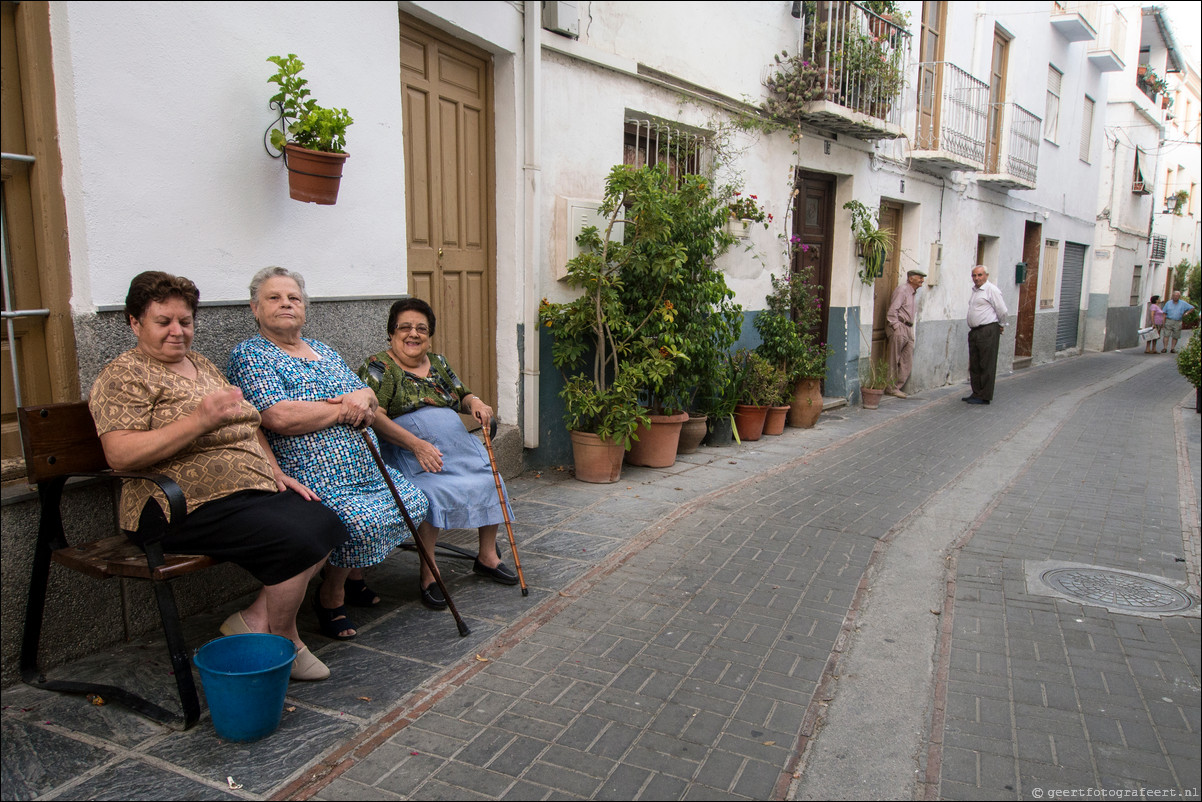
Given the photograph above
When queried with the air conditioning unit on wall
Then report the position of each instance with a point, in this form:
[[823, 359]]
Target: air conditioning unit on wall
[[562, 18]]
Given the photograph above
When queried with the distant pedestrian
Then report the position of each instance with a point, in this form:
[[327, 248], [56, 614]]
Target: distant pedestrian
[[1174, 310], [986, 319], [1155, 320], [899, 331]]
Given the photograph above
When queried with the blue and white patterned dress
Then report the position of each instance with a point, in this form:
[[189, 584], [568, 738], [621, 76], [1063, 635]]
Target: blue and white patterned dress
[[334, 463]]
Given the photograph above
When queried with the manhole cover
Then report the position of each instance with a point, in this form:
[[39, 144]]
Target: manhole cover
[[1117, 590]]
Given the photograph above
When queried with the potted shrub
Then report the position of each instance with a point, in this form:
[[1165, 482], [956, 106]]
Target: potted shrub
[[670, 284], [872, 242], [758, 388], [778, 406], [718, 399], [874, 381], [312, 138], [787, 332], [596, 329]]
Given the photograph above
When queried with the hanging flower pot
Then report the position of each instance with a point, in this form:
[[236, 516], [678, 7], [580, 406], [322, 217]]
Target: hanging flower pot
[[313, 176]]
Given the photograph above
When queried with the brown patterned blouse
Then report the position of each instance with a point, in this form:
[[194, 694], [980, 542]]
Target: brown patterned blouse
[[138, 393]]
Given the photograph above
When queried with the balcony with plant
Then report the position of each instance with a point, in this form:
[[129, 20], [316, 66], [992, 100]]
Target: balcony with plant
[[849, 74]]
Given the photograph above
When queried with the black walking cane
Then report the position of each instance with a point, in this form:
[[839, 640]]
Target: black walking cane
[[513, 546], [463, 630]]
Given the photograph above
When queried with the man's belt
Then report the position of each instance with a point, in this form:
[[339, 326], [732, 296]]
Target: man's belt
[[983, 325]]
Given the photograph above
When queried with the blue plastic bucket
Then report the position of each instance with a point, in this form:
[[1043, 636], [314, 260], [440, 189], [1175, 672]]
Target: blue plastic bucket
[[245, 678]]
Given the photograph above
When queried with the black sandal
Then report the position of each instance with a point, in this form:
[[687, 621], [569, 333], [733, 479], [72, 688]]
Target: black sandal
[[333, 622], [358, 594]]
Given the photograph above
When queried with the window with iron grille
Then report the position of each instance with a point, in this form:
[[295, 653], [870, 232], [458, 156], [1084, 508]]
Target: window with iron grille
[[651, 141], [1159, 246]]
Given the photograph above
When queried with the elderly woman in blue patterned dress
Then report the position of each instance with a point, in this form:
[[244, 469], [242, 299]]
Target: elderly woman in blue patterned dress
[[312, 405], [424, 438]]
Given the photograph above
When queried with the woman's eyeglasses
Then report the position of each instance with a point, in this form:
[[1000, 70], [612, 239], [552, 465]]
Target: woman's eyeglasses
[[405, 328]]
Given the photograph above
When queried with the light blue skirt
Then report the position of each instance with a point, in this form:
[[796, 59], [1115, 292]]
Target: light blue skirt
[[463, 495]]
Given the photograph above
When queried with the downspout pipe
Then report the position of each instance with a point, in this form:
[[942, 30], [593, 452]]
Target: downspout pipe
[[532, 184]]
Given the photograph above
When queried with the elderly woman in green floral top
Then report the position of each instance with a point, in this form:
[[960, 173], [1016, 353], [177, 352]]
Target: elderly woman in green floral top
[[422, 436]]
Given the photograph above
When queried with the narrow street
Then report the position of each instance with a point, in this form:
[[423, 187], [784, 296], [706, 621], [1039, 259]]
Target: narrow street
[[857, 611]]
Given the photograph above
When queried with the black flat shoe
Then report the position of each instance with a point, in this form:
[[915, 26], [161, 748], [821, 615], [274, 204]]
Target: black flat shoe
[[499, 574], [432, 597], [976, 400]]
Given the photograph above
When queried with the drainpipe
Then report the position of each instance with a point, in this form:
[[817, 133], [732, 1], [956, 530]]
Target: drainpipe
[[532, 174]]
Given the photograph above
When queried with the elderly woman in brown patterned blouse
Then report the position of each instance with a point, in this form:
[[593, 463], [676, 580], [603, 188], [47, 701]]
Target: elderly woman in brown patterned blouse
[[165, 408]]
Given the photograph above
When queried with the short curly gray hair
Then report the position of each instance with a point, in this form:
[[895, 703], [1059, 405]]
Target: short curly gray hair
[[273, 272]]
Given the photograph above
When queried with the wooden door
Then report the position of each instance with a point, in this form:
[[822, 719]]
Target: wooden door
[[997, 97], [930, 73], [39, 356], [883, 287], [1028, 291], [446, 89], [813, 218]]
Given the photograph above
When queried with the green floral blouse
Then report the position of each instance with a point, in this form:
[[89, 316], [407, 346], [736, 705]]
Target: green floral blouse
[[399, 391]]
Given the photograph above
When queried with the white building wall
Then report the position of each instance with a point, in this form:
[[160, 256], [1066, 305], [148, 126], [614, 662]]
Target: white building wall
[[162, 109]]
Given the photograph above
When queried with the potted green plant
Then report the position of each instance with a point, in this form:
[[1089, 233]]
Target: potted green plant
[[787, 329], [718, 398], [874, 381], [873, 242], [670, 284], [596, 329], [778, 406], [311, 138], [758, 383]]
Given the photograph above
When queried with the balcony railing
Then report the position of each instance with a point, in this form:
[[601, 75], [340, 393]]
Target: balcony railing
[[1012, 156], [851, 70], [1106, 53], [1076, 22], [953, 113]]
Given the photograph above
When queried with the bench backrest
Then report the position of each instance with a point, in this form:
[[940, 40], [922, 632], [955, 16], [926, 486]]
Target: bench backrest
[[59, 439]]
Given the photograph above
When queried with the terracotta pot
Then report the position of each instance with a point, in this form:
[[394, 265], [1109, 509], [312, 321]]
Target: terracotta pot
[[719, 431], [691, 434], [807, 403], [313, 176], [871, 398], [597, 461], [774, 423], [655, 446], [749, 421]]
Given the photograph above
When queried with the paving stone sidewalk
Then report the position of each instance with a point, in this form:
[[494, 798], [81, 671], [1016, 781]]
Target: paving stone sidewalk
[[681, 625]]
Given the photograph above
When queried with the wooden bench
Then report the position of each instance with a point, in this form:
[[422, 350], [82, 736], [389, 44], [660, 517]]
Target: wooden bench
[[60, 442]]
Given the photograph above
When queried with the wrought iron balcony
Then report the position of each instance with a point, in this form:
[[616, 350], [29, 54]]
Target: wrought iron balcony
[[1012, 148], [953, 112], [1105, 53], [849, 75]]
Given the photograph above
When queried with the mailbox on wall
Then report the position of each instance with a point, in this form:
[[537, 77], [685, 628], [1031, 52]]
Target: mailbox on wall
[[1020, 272]]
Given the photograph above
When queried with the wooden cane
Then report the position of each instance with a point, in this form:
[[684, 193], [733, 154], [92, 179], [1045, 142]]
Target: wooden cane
[[513, 546], [421, 552]]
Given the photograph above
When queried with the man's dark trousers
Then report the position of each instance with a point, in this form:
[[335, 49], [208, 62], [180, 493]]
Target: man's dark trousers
[[982, 359]]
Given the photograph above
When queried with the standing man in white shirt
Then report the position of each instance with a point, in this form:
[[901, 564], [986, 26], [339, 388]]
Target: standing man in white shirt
[[986, 319]]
